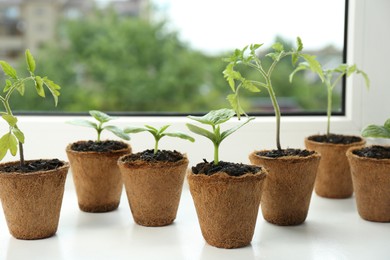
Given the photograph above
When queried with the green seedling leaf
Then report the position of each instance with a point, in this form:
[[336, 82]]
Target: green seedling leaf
[[215, 117], [200, 131], [11, 120], [18, 134], [162, 129], [53, 88], [301, 66], [299, 44], [30, 61], [117, 131], [235, 104], [82, 122], [153, 129], [8, 142], [19, 85], [8, 69], [377, 131], [8, 85], [39, 86], [181, 135], [278, 47], [351, 70], [134, 130], [234, 129], [100, 116], [248, 85], [365, 76], [314, 65]]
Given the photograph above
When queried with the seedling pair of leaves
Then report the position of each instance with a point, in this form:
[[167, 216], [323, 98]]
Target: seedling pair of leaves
[[214, 119], [377, 131], [14, 137], [101, 119]]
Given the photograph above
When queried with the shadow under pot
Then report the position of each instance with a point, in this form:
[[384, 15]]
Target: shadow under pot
[[32, 200], [289, 185], [96, 175], [153, 184], [226, 205], [370, 168], [334, 174]]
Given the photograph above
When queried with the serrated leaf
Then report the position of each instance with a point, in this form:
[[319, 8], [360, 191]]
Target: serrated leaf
[[39, 86], [117, 131], [8, 69], [234, 129], [200, 131], [53, 88], [8, 142], [277, 46], [351, 70], [231, 75], [314, 65], [30, 61], [18, 134], [215, 117], [299, 44], [365, 76], [134, 130], [376, 131], [294, 58], [180, 135], [20, 87], [235, 104], [100, 116], [11, 120], [273, 55], [248, 85], [342, 68], [82, 122], [8, 85]]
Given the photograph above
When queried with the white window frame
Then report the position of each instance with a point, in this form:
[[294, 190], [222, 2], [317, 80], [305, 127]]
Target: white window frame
[[367, 45]]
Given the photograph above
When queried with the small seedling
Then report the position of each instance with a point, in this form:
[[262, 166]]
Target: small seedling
[[248, 57], [15, 137], [331, 78], [377, 131], [102, 118], [215, 118], [158, 133]]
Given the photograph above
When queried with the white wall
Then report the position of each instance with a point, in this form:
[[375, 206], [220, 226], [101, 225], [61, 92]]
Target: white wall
[[369, 38]]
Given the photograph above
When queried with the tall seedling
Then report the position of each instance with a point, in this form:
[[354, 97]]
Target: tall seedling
[[331, 77], [15, 137], [248, 57]]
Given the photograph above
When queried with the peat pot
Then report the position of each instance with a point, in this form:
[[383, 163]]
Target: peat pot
[[371, 182], [288, 188], [153, 189], [227, 206], [32, 201], [97, 178], [334, 174]]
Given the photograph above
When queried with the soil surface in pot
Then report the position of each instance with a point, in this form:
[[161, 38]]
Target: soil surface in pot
[[375, 151], [335, 139], [285, 152], [33, 166], [233, 169], [94, 146], [160, 156]]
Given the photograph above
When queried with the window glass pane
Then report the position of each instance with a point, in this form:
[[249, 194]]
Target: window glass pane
[[166, 55]]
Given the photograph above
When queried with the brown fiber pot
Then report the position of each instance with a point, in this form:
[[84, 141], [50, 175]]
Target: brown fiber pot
[[333, 175], [32, 201], [371, 182], [97, 178], [288, 188], [227, 206], [153, 189]]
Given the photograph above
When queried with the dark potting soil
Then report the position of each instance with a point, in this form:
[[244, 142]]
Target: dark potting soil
[[285, 152], [94, 146], [335, 139], [33, 166], [160, 156], [233, 169], [375, 151]]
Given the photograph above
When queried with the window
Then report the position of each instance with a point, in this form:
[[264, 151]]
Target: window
[[169, 57]]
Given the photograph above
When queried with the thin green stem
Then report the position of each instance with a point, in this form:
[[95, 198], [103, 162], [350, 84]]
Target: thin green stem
[[216, 154], [21, 154], [277, 113], [329, 110], [156, 146]]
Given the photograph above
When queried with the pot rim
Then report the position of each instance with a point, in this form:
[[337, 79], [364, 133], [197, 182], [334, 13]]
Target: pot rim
[[69, 149], [261, 174], [287, 158], [65, 166], [351, 155], [157, 164], [359, 143]]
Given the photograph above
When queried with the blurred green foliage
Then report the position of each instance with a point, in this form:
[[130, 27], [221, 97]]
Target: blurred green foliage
[[111, 63]]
